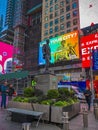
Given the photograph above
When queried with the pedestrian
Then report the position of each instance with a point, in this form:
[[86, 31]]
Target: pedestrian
[[10, 92], [4, 91], [88, 96]]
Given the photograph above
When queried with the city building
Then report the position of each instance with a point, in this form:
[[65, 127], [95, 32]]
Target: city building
[[7, 14], [59, 17]]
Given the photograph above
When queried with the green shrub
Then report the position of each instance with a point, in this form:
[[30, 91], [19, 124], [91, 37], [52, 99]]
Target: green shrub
[[38, 92], [46, 102], [61, 103], [28, 91], [53, 94], [64, 92], [20, 99], [33, 99]]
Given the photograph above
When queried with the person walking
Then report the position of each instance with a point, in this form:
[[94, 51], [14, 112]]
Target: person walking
[[4, 91], [88, 96], [10, 92]]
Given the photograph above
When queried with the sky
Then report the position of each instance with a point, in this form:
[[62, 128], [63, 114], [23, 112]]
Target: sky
[[88, 12]]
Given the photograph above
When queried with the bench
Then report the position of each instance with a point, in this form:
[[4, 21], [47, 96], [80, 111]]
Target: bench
[[36, 114]]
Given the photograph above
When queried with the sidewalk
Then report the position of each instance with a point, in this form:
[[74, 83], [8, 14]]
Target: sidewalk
[[74, 124], [77, 122]]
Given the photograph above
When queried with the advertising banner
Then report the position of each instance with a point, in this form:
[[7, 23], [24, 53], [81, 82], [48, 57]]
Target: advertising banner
[[6, 54], [63, 48], [95, 59], [88, 44]]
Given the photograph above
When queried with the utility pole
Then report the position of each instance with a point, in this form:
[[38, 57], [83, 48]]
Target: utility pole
[[91, 76]]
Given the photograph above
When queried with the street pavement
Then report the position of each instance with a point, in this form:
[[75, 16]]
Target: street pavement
[[74, 124]]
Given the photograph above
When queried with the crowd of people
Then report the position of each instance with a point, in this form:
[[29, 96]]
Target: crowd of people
[[6, 90]]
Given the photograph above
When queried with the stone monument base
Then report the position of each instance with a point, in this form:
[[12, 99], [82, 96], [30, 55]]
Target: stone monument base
[[46, 82]]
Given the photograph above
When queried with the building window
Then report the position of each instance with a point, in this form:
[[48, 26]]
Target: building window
[[68, 31], [56, 13], [56, 35], [46, 0], [62, 4], [56, 6], [46, 11], [51, 9], [68, 24], [46, 32], [68, 8], [51, 30], [62, 19], [56, 28], [68, 16], [74, 5], [46, 25], [62, 27], [56, 21], [51, 2], [56, 1], [67, 1], [46, 6], [75, 28], [51, 16], [46, 18], [62, 33], [75, 21], [75, 13], [61, 10], [51, 23]]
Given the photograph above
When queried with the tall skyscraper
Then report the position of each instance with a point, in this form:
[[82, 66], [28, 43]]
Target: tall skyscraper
[[7, 13], [59, 17], [3, 8]]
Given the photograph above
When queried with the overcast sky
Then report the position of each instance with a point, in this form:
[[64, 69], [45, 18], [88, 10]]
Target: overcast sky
[[88, 12]]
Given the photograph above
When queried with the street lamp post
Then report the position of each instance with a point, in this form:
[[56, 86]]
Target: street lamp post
[[91, 76]]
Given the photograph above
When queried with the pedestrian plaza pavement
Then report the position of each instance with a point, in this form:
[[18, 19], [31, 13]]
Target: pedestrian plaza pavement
[[74, 124]]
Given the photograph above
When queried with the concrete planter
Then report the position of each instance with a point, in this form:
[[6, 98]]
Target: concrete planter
[[52, 113], [33, 106], [56, 112]]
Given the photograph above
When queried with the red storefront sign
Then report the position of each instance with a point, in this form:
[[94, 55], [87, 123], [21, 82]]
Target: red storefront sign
[[88, 43]]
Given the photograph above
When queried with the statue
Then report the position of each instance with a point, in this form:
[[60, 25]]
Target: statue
[[46, 54]]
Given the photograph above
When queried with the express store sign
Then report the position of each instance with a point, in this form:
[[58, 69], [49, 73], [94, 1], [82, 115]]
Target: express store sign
[[88, 43]]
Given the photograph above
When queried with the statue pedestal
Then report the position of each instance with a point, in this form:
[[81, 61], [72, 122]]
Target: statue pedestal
[[46, 82]]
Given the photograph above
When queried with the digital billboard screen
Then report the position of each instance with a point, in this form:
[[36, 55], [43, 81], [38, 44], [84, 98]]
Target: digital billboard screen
[[63, 48], [88, 44], [6, 54]]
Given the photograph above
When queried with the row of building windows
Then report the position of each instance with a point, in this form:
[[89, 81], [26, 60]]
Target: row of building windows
[[68, 15], [57, 28], [56, 22], [60, 33], [57, 6]]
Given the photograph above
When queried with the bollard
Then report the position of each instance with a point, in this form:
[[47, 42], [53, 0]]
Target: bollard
[[65, 121], [26, 126], [85, 118], [96, 112]]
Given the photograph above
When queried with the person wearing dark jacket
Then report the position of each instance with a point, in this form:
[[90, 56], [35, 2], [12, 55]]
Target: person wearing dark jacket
[[10, 91], [4, 91], [88, 95]]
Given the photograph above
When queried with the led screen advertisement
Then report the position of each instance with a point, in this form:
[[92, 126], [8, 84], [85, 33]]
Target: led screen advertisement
[[6, 53], [88, 12], [63, 48], [88, 44]]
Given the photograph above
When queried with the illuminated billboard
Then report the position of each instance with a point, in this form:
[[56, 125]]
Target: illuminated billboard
[[6, 53], [88, 43], [63, 48], [88, 12]]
